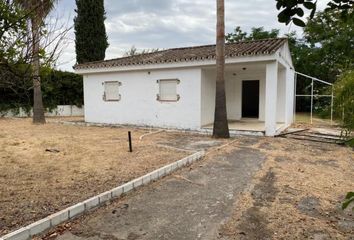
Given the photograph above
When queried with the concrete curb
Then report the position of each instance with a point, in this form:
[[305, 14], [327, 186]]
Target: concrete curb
[[84, 206], [201, 131]]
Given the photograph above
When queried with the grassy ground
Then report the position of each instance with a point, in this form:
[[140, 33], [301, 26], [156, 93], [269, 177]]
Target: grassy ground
[[297, 194], [45, 168], [306, 118]]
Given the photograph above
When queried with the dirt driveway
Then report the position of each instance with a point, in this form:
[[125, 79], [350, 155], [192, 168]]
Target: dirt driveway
[[256, 188], [47, 168], [297, 194]]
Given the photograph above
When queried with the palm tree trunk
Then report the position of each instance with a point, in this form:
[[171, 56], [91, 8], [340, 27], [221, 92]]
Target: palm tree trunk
[[38, 110], [221, 127]]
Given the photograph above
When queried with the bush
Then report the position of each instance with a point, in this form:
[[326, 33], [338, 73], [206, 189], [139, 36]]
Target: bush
[[61, 88], [344, 100], [58, 88]]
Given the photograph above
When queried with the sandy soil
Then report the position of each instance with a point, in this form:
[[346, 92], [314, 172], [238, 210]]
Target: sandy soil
[[297, 194], [46, 168]]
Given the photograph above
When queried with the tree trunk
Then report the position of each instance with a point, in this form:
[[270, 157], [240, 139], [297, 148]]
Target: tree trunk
[[221, 127], [38, 110]]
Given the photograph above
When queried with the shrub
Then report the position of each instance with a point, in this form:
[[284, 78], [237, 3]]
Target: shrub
[[344, 100]]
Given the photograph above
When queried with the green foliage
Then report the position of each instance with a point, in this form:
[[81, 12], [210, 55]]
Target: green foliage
[[90, 32], [349, 198], [134, 51], [257, 33], [294, 10], [12, 28], [344, 99], [331, 39], [236, 36], [350, 143], [58, 88], [344, 104], [325, 51], [61, 88]]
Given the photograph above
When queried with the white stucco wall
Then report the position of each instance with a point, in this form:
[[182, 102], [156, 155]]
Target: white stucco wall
[[233, 93], [138, 104], [281, 94], [233, 86], [260, 76], [287, 85], [60, 110], [208, 84], [271, 98], [290, 95]]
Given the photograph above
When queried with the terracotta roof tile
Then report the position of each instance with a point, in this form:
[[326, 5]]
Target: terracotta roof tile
[[198, 53]]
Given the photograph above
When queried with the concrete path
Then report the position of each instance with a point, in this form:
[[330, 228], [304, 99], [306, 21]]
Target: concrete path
[[190, 204]]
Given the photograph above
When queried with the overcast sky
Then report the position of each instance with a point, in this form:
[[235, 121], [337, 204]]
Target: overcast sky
[[164, 24]]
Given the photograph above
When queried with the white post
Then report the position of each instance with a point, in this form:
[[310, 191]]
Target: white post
[[311, 100], [295, 98], [332, 99], [271, 88], [290, 97]]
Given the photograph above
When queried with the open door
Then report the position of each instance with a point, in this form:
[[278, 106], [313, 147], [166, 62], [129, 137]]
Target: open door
[[250, 99]]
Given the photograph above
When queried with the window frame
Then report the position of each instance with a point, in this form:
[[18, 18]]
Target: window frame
[[158, 97], [104, 97]]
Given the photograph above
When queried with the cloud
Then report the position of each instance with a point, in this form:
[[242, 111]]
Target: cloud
[[170, 23]]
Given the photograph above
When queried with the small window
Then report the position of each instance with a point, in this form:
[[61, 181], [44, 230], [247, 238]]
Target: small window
[[168, 90], [111, 91]]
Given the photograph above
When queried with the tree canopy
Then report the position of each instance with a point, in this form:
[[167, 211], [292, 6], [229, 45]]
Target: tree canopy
[[13, 27], [332, 39], [90, 32], [134, 51], [294, 10], [17, 55], [255, 34]]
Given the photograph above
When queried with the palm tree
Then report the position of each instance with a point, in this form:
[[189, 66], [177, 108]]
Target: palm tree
[[37, 12], [221, 127]]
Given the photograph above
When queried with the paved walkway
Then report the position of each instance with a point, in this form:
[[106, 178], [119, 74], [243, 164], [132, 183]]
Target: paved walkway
[[190, 204]]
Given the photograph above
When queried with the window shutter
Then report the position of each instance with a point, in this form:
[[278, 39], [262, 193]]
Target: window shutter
[[111, 90], [168, 90]]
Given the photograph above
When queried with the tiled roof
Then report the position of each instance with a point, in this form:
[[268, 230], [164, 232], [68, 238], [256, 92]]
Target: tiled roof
[[188, 54]]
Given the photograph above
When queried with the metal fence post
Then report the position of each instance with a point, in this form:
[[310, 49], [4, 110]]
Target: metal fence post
[[130, 141], [311, 100], [332, 100]]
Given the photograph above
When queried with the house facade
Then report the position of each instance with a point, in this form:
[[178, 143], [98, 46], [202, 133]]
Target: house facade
[[175, 88]]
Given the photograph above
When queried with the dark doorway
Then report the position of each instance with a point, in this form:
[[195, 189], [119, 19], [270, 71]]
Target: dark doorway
[[250, 99]]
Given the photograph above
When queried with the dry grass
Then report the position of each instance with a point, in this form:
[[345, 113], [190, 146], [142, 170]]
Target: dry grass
[[35, 182], [280, 207], [306, 118]]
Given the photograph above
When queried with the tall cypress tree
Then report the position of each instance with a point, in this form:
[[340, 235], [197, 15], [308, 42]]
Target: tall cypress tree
[[90, 32]]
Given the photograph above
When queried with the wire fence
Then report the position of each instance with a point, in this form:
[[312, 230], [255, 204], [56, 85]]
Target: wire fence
[[317, 93]]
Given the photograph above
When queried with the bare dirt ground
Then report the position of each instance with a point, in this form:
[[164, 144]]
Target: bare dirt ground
[[297, 194], [45, 168]]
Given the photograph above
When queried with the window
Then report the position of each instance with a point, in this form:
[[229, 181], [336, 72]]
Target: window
[[111, 91], [168, 90]]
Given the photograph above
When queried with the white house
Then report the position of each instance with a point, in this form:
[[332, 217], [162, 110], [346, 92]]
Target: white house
[[175, 88]]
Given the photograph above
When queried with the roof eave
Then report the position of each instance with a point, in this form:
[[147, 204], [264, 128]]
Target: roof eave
[[179, 64]]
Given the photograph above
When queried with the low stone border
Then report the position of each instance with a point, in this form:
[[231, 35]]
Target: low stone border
[[202, 131], [78, 209]]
